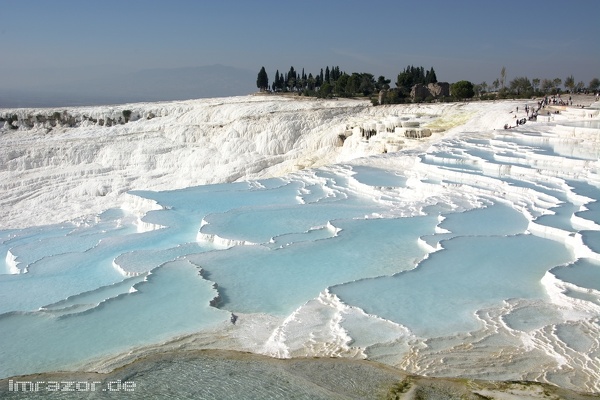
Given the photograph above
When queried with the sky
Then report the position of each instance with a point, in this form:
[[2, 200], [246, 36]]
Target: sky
[[461, 39]]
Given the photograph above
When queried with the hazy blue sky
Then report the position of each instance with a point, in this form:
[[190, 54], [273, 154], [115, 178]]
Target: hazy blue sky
[[461, 39]]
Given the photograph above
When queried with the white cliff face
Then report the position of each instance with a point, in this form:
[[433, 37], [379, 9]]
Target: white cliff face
[[55, 173]]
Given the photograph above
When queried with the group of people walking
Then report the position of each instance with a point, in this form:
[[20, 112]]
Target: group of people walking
[[528, 110]]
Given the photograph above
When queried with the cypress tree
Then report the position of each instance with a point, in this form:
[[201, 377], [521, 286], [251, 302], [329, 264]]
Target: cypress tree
[[310, 82], [262, 80], [303, 80], [335, 73], [432, 77], [291, 79]]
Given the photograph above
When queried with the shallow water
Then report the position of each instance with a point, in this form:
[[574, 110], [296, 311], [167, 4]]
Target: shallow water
[[440, 297], [584, 273]]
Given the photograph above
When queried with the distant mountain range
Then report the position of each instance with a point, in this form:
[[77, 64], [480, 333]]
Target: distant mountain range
[[162, 84]]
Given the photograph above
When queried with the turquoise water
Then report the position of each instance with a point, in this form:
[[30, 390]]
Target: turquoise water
[[583, 273], [378, 177], [254, 279], [43, 340], [440, 297]]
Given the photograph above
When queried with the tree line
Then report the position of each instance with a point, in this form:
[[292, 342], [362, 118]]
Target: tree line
[[523, 87], [333, 82]]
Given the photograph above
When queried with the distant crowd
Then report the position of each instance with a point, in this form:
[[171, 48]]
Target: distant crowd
[[555, 100]]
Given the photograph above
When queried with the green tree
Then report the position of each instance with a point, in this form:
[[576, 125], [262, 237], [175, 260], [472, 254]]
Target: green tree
[[262, 81], [535, 82], [291, 79], [393, 96], [496, 84], [311, 82], [484, 87], [413, 75], [335, 74], [404, 80], [521, 86], [462, 90], [570, 83], [547, 85], [367, 84], [382, 83], [325, 91], [594, 84], [353, 83], [430, 77], [282, 82], [557, 82], [340, 84], [301, 84], [276, 81]]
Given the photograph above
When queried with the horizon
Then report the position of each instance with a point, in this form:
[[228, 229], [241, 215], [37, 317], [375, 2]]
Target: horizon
[[74, 42]]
